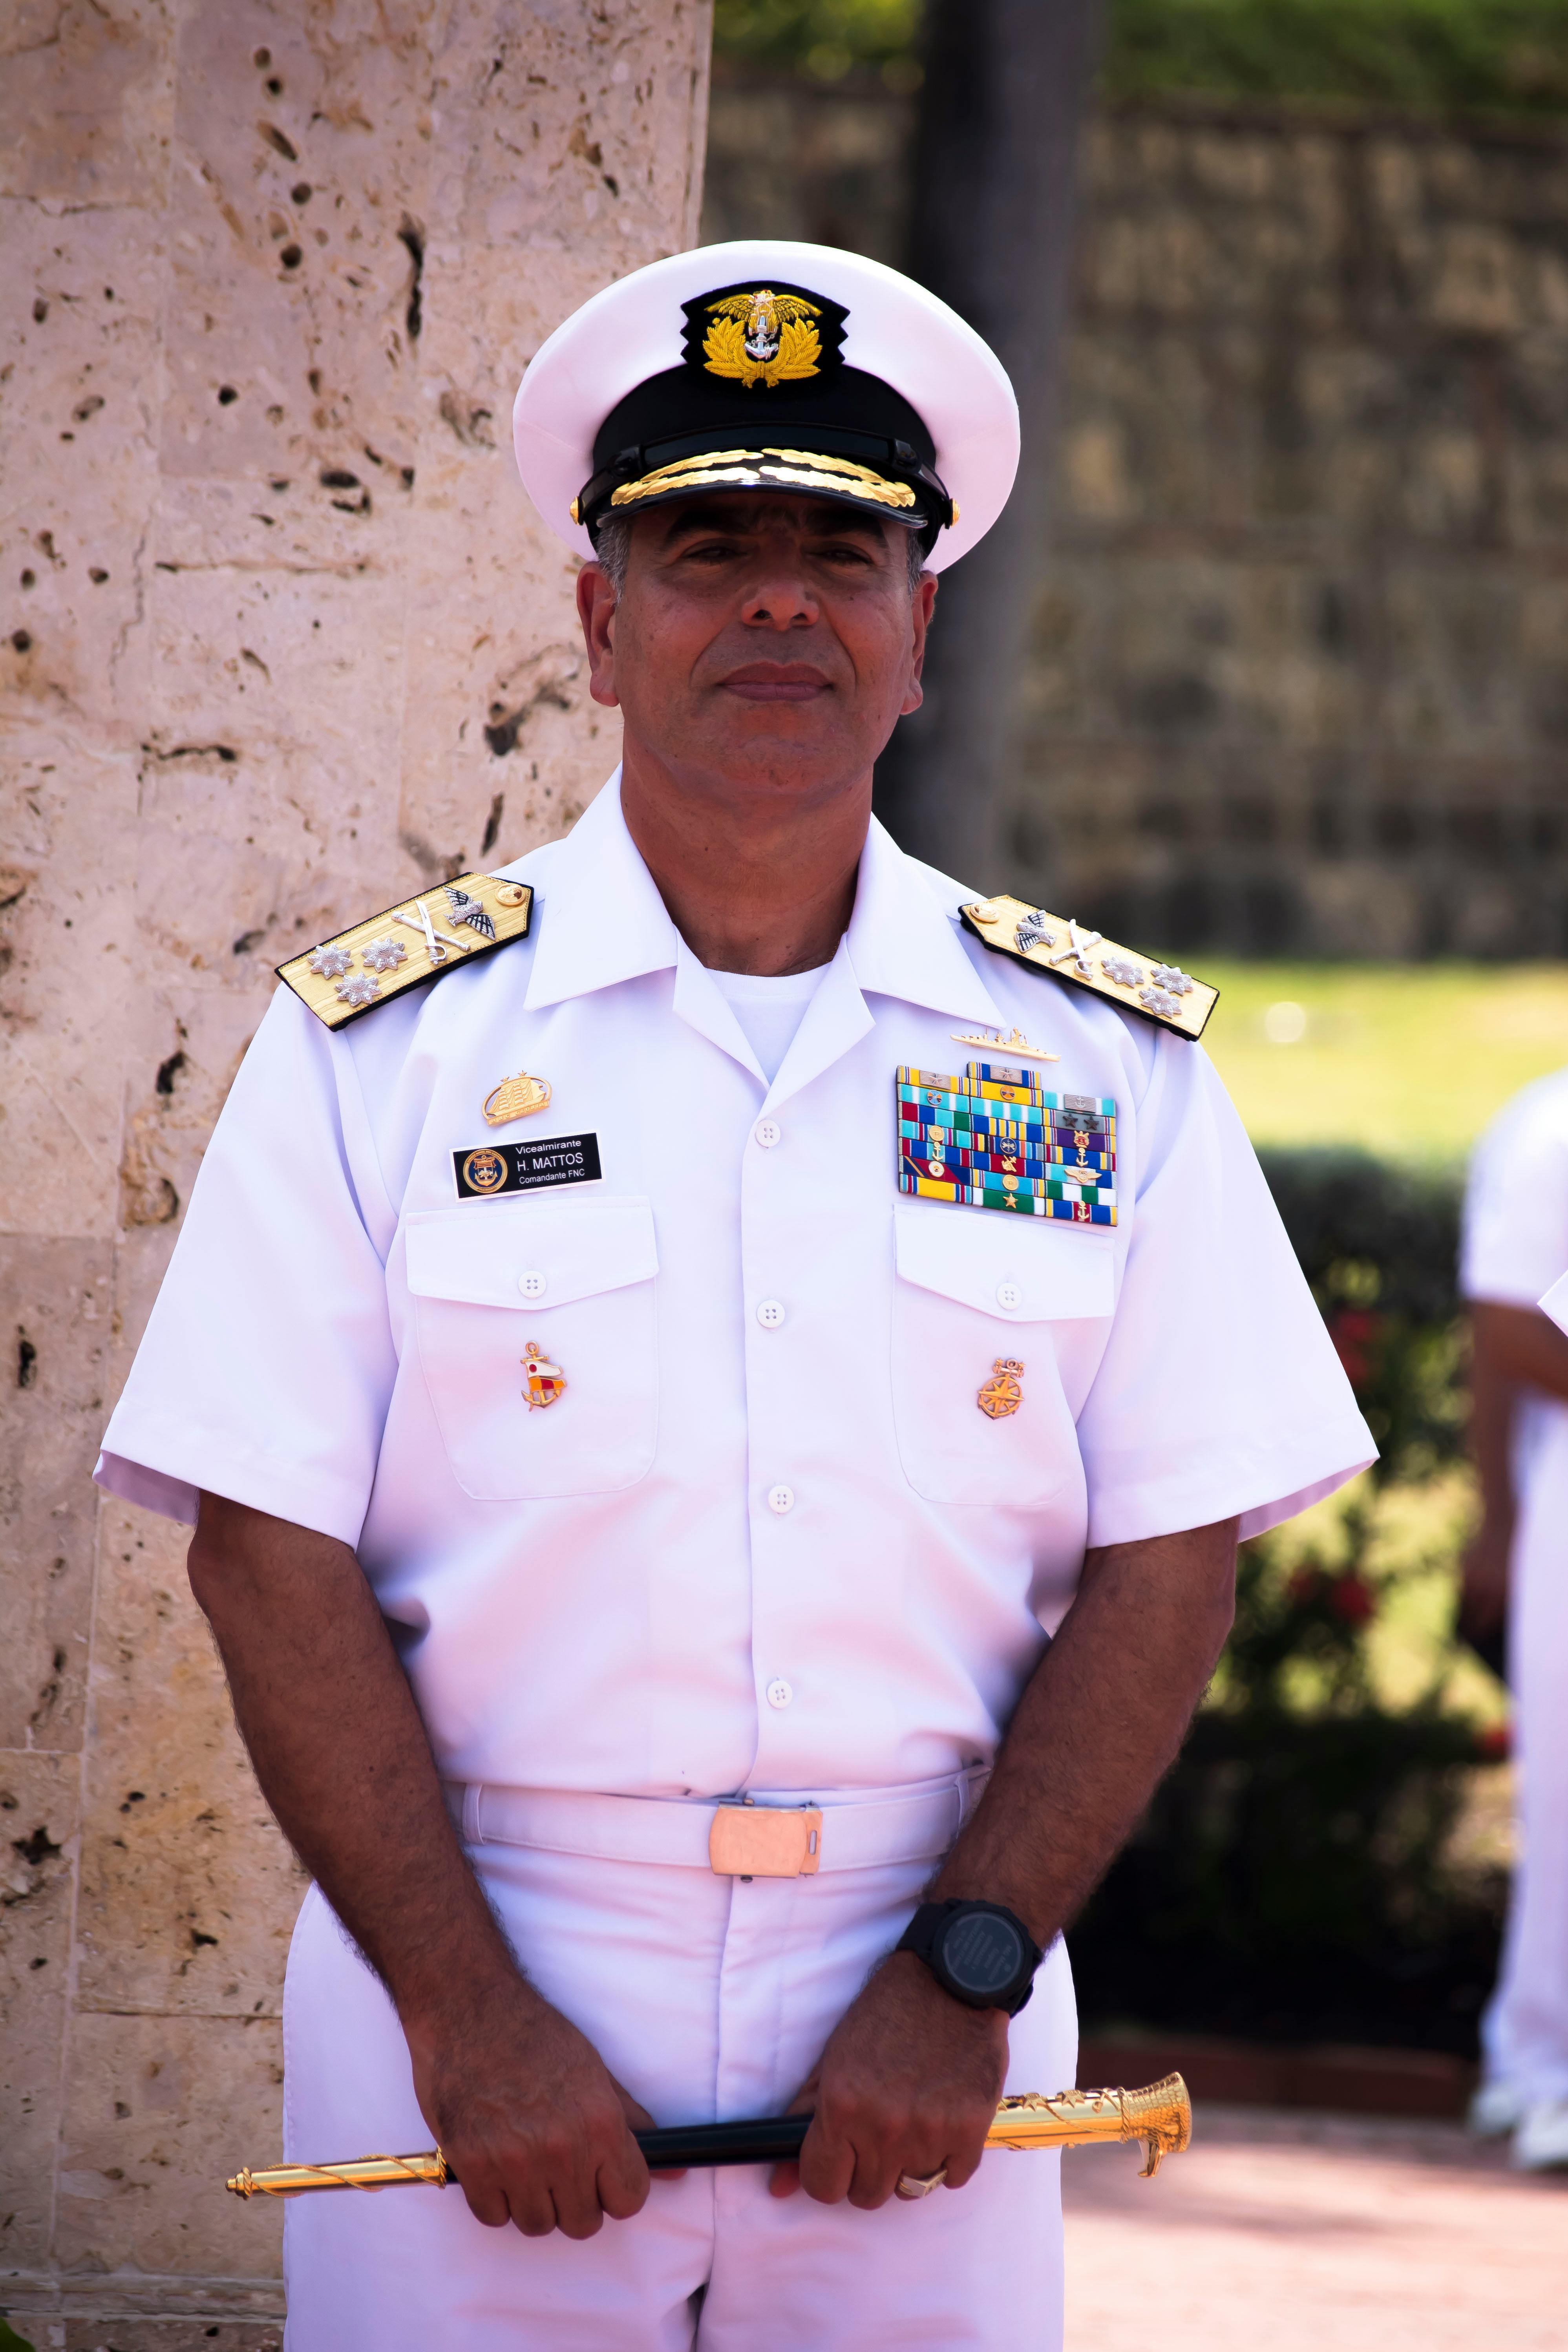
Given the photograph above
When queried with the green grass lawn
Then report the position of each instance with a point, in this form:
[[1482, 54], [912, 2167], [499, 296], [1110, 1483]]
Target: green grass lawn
[[1410, 1060]]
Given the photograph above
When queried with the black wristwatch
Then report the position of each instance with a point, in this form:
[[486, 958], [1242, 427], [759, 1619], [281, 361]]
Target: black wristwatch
[[980, 1953]]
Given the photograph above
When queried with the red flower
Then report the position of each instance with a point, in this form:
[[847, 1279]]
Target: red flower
[[1495, 1744], [1354, 1332], [1352, 1599]]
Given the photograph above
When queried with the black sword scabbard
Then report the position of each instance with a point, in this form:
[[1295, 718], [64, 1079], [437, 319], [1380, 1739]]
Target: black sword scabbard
[[755, 2139]]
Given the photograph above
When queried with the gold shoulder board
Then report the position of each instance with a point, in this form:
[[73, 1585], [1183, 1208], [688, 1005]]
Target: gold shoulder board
[[1159, 991], [421, 938]]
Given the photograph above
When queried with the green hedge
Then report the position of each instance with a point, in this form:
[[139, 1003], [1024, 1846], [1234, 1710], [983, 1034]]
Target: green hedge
[[1290, 1879], [1506, 56], [1379, 1245], [1502, 56]]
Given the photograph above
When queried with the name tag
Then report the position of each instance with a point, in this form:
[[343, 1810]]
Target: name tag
[[492, 1169]]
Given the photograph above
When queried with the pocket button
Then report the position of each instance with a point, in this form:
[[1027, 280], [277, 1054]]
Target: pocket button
[[533, 1284], [1009, 1294]]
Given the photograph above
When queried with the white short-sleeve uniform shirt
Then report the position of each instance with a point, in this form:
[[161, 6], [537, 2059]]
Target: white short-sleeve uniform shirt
[[764, 1536]]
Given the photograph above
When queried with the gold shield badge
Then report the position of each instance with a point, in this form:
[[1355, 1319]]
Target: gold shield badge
[[1002, 1394], [485, 1171], [546, 1381]]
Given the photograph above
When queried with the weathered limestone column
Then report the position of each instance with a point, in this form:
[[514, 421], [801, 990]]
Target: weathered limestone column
[[279, 640]]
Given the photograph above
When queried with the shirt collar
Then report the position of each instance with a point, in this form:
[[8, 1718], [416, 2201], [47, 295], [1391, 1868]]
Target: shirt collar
[[600, 918], [904, 942], [602, 922]]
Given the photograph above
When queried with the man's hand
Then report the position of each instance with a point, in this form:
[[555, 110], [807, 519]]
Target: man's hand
[[530, 2119], [909, 2081]]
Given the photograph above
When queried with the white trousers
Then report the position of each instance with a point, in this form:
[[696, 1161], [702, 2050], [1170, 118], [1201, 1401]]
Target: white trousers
[[1525, 2031], [707, 1997]]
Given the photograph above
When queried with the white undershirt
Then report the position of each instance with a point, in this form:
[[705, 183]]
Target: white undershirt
[[769, 1009]]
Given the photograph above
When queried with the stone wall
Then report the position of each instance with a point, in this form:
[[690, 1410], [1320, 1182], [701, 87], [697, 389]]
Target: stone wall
[[279, 640], [1298, 681]]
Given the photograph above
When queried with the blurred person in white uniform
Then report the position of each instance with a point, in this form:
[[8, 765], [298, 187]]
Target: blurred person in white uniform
[[669, 1372], [1515, 1248]]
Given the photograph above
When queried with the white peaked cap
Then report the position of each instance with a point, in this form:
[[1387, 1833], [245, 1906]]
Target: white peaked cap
[[891, 330]]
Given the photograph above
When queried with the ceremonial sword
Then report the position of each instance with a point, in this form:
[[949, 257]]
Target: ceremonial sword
[[1161, 2116]]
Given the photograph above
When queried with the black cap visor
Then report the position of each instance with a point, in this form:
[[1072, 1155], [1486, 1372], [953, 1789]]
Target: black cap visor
[[853, 440]]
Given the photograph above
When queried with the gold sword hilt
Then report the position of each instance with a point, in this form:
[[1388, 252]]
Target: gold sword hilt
[[1161, 2116]]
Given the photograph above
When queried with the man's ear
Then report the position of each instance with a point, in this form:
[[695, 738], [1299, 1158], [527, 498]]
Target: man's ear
[[596, 612], [922, 603]]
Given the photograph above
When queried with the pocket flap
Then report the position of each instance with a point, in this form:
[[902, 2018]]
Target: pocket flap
[[1023, 1269], [536, 1255]]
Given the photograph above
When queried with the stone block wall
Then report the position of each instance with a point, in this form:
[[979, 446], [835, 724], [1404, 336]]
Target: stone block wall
[[280, 640], [1297, 679]]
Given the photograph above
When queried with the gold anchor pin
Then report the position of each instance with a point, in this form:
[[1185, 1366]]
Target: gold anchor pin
[[546, 1381], [515, 1099]]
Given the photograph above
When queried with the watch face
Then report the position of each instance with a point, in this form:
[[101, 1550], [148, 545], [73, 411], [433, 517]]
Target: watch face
[[982, 1953]]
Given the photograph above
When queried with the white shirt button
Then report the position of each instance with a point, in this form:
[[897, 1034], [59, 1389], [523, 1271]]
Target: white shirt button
[[533, 1284], [779, 1692], [768, 1132], [781, 1499], [770, 1313], [1009, 1294]]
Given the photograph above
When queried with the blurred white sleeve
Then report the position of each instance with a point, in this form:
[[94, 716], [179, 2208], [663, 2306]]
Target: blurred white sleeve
[[1515, 1240]]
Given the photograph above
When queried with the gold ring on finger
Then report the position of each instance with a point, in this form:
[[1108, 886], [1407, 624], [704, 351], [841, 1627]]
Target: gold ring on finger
[[911, 2185]]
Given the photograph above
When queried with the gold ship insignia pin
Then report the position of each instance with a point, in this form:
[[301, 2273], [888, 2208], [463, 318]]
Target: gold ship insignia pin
[[1015, 1045], [516, 1098]]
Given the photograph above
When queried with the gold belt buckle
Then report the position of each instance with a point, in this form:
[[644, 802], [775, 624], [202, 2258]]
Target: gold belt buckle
[[765, 1842]]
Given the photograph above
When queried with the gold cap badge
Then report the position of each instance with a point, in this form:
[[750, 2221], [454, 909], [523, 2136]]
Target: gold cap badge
[[763, 337]]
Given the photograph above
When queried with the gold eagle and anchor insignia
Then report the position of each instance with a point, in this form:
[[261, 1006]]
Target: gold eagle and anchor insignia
[[1003, 1392], [762, 338]]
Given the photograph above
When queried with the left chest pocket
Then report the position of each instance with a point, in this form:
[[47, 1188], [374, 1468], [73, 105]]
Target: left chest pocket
[[537, 1341], [977, 1398]]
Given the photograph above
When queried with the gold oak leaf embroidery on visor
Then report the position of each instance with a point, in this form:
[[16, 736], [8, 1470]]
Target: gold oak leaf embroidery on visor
[[762, 338], [746, 470]]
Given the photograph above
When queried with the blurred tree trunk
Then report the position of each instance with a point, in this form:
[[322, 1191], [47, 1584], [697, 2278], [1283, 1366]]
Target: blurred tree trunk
[[995, 167]]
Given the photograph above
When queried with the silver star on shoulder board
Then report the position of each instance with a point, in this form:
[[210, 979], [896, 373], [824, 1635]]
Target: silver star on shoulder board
[[357, 990], [331, 963], [466, 909], [384, 955]]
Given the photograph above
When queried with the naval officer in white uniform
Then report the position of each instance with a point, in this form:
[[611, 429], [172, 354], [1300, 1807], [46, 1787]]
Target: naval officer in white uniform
[[705, 1464], [1515, 1247]]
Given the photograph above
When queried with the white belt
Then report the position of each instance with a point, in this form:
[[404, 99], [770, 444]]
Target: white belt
[[761, 1837]]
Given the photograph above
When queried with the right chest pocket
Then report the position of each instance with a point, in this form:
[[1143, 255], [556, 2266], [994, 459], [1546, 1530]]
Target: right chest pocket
[[574, 1281]]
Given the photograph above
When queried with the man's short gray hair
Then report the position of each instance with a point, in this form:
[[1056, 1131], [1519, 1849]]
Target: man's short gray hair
[[613, 547]]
